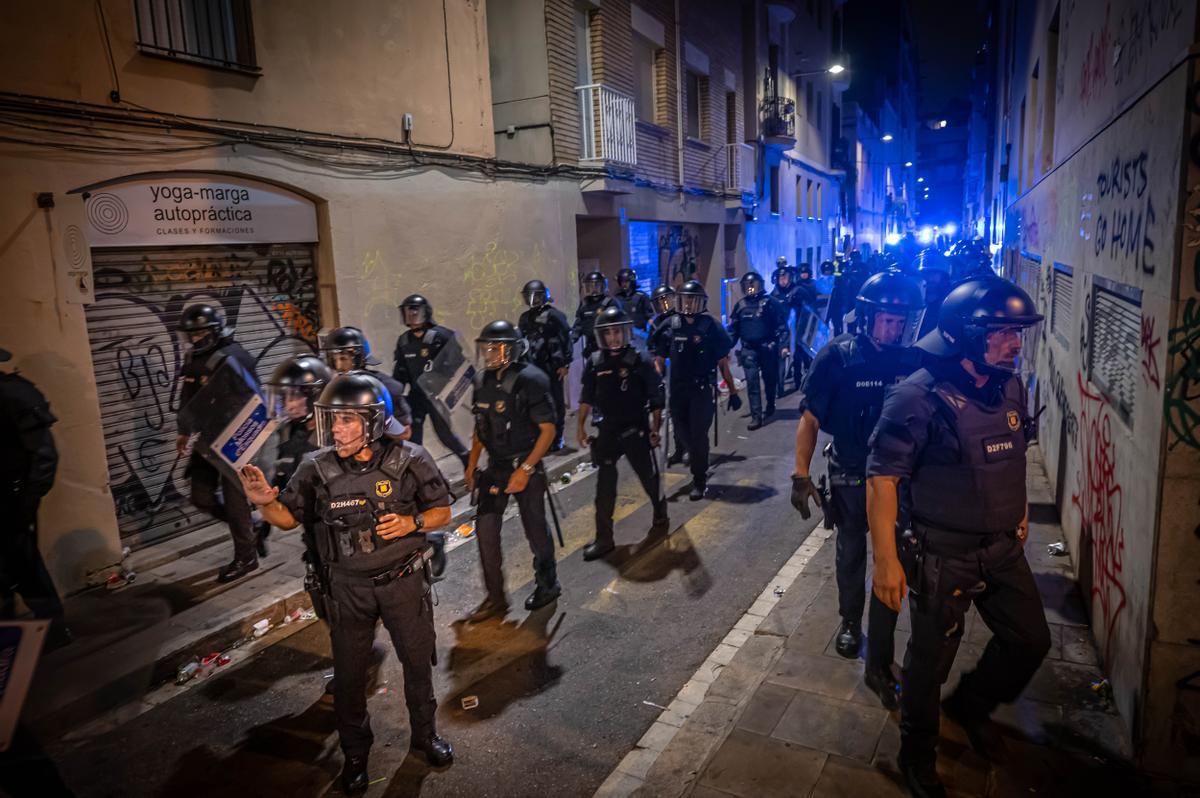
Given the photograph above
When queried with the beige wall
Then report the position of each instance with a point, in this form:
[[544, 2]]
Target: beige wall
[[392, 54]]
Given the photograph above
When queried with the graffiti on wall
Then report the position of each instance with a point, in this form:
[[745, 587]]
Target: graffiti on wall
[[1062, 401], [1150, 344], [1099, 498], [1117, 50], [1182, 400], [493, 288], [678, 248], [1124, 214]]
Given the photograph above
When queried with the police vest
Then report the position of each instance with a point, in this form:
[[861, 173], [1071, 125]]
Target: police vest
[[587, 319], [692, 355], [862, 381], [752, 322], [974, 481], [502, 421], [545, 339], [621, 395], [638, 306], [348, 504], [295, 441], [419, 352]]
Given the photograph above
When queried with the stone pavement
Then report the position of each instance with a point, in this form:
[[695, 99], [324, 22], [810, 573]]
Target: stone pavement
[[786, 716]]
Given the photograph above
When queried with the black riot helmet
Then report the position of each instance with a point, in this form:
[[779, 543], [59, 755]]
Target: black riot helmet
[[827, 268], [804, 271], [752, 284], [593, 284], [782, 276], [935, 271], [349, 341], [975, 310], [416, 312], [613, 329], [203, 320], [627, 279], [663, 298], [897, 297], [295, 385], [346, 401], [691, 299], [535, 293], [498, 345]]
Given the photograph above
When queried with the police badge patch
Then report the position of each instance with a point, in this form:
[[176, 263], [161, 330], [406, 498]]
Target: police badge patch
[[424, 351], [383, 488], [1014, 420], [499, 405]]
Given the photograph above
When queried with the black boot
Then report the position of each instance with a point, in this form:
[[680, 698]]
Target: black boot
[[697, 491], [676, 458], [596, 549], [883, 684], [849, 639], [922, 780], [354, 775], [542, 595], [436, 749], [490, 608], [756, 422], [236, 570], [770, 411], [261, 530], [981, 732], [661, 524]]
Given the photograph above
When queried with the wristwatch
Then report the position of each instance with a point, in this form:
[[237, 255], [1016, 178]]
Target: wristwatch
[[418, 522], [527, 468]]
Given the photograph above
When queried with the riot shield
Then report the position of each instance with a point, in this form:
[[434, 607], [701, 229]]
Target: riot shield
[[229, 417], [447, 382]]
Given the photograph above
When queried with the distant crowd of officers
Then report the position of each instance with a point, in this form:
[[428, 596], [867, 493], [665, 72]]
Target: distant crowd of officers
[[917, 388]]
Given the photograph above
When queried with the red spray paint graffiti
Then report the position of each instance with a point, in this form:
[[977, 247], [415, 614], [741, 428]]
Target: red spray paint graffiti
[[1150, 344], [1099, 501]]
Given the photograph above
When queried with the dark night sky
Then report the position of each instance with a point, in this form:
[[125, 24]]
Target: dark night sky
[[948, 34]]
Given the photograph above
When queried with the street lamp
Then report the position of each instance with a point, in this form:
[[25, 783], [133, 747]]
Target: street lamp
[[833, 69], [907, 164], [886, 137], [836, 69], [921, 180]]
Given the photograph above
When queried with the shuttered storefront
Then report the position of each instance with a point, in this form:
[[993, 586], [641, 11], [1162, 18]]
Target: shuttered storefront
[[268, 293]]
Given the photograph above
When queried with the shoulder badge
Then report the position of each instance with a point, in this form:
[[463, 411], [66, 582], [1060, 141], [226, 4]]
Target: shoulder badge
[[1014, 420]]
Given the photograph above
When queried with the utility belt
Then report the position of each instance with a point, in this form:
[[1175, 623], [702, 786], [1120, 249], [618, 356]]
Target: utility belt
[[419, 561], [952, 542], [844, 479]]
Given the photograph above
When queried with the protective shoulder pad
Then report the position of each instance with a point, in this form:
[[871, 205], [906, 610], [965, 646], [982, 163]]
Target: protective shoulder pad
[[395, 459], [328, 467], [630, 357], [595, 357], [509, 382]]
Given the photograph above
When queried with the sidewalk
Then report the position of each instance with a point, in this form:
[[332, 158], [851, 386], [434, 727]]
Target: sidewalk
[[131, 640], [786, 716]]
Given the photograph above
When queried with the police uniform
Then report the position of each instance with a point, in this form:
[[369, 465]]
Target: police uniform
[[585, 319], [845, 288], [760, 322], [28, 464], [694, 345], [962, 448], [371, 579], [622, 387], [401, 410], [638, 306], [233, 509], [844, 391], [508, 412], [414, 356], [549, 336]]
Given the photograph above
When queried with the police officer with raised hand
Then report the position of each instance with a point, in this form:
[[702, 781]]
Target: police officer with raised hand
[[416, 349], [549, 338], [514, 422], [202, 327], [347, 349], [760, 323], [696, 345], [368, 499], [843, 395], [626, 391], [593, 300], [957, 431], [633, 301]]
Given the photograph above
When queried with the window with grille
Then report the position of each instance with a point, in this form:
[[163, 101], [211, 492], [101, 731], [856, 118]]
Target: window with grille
[[1114, 339], [213, 32], [1062, 292]]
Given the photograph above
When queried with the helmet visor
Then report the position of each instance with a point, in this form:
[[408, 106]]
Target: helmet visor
[[892, 328], [592, 287], [664, 302], [414, 315], [290, 402], [1004, 345], [613, 337], [345, 359], [492, 355], [783, 279], [752, 286], [199, 340], [690, 304], [348, 430], [535, 298]]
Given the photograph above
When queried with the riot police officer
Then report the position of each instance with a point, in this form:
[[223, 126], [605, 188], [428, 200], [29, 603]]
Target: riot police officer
[[845, 288], [843, 395], [626, 391], [697, 345], [760, 323], [806, 288], [662, 299], [633, 301], [593, 301], [416, 349], [935, 272], [783, 289], [28, 464], [347, 349], [957, 430], [368, 499], [514, 421], [292, 390], [202, 327], [549, 338]]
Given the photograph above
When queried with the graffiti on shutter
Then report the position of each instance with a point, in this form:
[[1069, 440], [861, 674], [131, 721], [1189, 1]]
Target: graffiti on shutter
[[269, 296]]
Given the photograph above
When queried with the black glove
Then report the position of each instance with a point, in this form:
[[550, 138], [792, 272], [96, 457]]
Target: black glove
[[802, 489], [735, 402]]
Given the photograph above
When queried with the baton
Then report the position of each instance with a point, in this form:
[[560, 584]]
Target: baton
[[716, 415], [554, 515]]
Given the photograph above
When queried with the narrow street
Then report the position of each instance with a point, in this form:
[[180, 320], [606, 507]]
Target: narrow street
[[564, 693]]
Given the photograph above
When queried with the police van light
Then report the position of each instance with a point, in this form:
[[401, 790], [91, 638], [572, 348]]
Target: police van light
[[949, 228], [892, 239], [925, 234]]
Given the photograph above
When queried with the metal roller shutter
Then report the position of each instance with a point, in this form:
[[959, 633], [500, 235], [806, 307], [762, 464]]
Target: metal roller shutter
[[268, 293]]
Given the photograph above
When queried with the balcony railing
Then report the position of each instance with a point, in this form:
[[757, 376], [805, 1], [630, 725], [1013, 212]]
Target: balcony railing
[[739, 168], [778, 118], [607, 123]]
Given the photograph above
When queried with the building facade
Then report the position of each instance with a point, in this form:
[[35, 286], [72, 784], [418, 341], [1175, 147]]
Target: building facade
[[1095, 177]]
